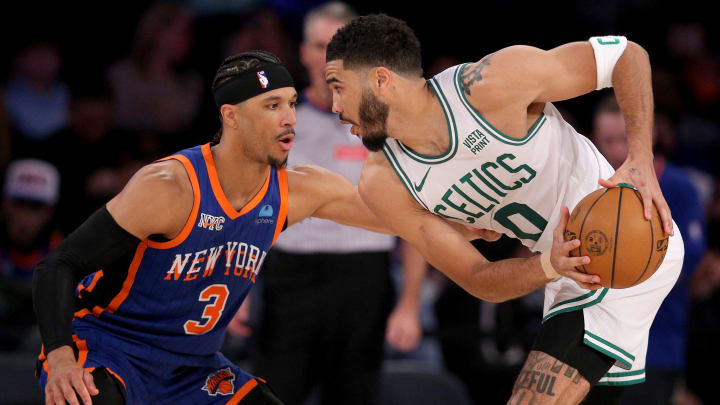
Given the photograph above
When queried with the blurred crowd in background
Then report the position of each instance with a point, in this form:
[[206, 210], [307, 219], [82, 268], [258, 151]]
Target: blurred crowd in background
[[85, 102]]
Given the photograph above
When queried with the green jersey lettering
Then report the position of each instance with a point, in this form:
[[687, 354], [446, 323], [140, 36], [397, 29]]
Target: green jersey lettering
[[461, 207], [531, 173], [502, 216], [497, 181]]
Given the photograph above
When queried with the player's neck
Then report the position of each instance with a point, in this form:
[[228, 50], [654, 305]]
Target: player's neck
[[230, 160], [418, 120]]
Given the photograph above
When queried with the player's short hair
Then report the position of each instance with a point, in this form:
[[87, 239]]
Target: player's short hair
[[377, 40], [335, 10], [237, 64]]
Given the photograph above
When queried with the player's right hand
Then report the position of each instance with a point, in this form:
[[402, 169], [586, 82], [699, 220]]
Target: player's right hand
[[67, 380], [565, 264]]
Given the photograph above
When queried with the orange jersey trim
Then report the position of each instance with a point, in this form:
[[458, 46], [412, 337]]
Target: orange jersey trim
[[282, 215], [193, 214], [98, 275], [129, 280], [127, 285], [117, 376], [220, 194], [81, 358], [240, 394]]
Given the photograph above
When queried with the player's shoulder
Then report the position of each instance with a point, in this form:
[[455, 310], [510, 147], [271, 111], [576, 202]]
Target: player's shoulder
[[160, 187], [169, 177], [377, 177], [502, 64], [156, 200], [376, 168]]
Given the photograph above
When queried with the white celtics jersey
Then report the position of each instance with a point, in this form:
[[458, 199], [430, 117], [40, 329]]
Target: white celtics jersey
[[489, 180]]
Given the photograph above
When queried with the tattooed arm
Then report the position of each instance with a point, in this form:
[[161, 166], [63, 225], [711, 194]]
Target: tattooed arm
[[516, 81]]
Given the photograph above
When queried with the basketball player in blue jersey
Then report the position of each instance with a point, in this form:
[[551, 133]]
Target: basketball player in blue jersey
[[133, 306], [482, 144]]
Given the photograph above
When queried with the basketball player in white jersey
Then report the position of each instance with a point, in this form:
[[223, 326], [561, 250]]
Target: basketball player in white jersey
[[481, 144]]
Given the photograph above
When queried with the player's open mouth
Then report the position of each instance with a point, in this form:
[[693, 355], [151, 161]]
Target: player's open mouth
[[286, 141]]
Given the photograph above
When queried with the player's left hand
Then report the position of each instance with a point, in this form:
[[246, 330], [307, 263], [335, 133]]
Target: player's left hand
[[640, 173], [403, 328]]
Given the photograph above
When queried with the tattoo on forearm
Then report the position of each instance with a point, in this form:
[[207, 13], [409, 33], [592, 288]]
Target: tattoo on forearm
[[473, 74], [538, 377]]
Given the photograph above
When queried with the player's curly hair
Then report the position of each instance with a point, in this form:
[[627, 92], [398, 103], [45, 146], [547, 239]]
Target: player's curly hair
[[234, 65], [377, 40]]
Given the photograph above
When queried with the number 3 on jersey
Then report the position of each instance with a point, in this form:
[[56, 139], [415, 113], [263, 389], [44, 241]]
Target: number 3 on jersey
[[212, 312]]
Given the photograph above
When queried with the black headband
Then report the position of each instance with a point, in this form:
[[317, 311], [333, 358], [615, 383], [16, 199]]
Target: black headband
[[252, 83]]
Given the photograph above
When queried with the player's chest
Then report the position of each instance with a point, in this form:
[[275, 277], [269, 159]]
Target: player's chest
[[471, 186]]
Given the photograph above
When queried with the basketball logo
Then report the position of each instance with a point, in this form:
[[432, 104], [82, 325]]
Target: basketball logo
[[570, 235], [625, 248], [596, 243], [220, 382], [262, 78]]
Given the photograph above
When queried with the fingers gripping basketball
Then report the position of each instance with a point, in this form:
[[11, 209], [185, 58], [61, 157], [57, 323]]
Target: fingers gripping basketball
[[625, 249]]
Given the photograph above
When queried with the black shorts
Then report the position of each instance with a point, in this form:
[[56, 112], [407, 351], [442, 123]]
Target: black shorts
[[562, 337]]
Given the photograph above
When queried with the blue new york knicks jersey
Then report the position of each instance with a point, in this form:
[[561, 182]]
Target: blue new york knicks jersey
[[179, 295]]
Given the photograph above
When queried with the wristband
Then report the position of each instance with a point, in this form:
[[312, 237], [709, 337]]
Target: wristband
[[547, 267]]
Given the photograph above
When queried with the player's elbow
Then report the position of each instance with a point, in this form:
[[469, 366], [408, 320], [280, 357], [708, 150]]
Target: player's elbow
[[637, 51]]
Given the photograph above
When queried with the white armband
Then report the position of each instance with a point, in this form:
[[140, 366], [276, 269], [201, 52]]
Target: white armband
[[607, 52]]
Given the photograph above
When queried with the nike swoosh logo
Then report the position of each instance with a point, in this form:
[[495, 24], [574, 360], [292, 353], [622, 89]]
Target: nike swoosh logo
[[419, 187]]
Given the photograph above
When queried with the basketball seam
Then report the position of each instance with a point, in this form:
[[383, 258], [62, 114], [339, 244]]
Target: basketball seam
[[584, 270], [617, 230], [652, 246]]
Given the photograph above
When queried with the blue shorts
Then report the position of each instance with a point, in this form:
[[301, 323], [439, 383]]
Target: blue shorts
[[153, 376]]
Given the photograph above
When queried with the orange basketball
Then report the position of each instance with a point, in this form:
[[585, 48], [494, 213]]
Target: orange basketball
[[624, 248]]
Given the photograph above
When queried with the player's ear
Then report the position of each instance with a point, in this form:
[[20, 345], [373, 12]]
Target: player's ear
[[381, 79], [230, 116]]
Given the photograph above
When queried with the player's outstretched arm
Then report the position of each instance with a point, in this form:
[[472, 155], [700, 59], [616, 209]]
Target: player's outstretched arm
[[449, 251], [319, 192], [157, 200]]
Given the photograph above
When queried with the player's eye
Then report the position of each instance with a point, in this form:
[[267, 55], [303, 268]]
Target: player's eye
[[273, 106]]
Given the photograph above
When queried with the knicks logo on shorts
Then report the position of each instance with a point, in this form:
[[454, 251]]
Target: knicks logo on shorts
[[220, 382]]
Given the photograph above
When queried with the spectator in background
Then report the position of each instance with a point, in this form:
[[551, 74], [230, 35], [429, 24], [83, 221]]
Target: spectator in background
[[109, 155], [154, 90], [36, 101], [26, 236], [328, 292], [704, 334], [5, 140], [666, 356], [264, 30]]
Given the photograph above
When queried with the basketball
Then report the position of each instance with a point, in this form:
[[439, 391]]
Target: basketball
[[624, 248]]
